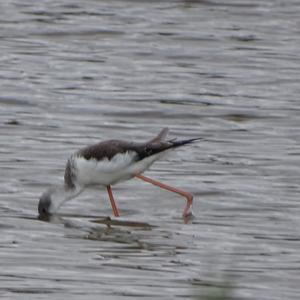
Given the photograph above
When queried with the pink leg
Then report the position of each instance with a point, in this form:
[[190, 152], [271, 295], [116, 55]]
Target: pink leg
[[112, 201], [187, 195]]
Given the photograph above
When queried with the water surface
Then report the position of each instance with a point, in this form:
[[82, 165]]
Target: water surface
[[75, 73]]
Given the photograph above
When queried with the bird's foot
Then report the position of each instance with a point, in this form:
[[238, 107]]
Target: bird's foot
[[188, 216]]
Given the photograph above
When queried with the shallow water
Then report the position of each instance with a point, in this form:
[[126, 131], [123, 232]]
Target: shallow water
[[75, 73]]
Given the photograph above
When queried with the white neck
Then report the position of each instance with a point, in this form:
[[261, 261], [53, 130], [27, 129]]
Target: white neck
[[60, 195]]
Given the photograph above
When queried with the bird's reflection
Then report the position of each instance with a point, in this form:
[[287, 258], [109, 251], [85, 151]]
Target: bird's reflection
[[132, 234]]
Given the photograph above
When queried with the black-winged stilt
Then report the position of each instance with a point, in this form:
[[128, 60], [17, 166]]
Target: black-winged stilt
[[107, 163]]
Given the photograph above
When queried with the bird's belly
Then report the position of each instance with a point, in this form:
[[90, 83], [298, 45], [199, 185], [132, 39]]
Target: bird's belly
[[108, 172], [104, 179], [92, 172]]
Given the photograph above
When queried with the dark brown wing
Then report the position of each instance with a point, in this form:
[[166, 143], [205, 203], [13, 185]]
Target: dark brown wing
[[106, 149]]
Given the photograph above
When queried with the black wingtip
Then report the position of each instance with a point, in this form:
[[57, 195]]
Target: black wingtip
[[184, 142], [150, 149]]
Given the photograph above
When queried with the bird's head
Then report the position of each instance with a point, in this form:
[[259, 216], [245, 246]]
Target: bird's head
[[53, 199], [46, 207]]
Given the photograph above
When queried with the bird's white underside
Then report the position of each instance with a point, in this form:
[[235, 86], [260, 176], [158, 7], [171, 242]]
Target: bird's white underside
[[122, 166]]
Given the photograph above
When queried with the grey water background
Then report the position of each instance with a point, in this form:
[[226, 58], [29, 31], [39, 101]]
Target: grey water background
[[76, 72]]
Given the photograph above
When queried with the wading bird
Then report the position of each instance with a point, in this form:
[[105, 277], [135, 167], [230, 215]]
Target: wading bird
[[107, 163]]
